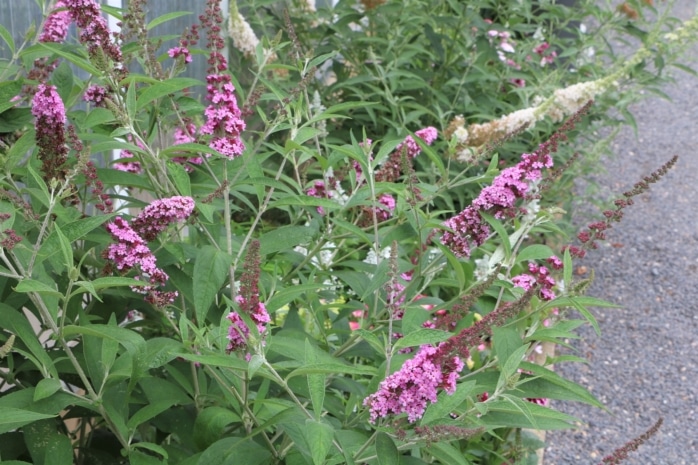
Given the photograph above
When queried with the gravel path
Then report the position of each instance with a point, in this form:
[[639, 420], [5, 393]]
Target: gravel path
[[645, 365]]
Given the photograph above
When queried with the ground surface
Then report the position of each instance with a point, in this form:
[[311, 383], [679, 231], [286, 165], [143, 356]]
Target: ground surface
[[645, 365]]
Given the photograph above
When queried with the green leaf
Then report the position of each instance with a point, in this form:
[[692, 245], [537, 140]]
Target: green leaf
[[332, 368], [68, 53], [550, 385], [502, 413], [32, 285], [73, 232], [63, 79], [14, 321], [447, 454], [114, 177], [318, 436], [46, 445], [136, 457], [501, 232], [46, 388], [534, 252], [235, 451], [288, 294], [66, 249], [567, 268], [7, 37], [166, 17], [13, 418], [210, 272], [446, 404], [161, 89], [19, 149], [148, 412], [131, 102], [8, 91], [284, 238], [316, 382], [386, 450], [226, 361], [506, 341], [96, 117], [180, 178], [508, 368], [421, 337]]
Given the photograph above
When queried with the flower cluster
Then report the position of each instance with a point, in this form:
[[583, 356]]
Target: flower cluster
[[409, 389], [546, 57], [244, 38], [49, 111], [96, 94], [248, 300], [94, 32], [176, 52], [129, 166], [131, 251], [56, 24], [157, 216], [469, 228], [539, 275], [223, 117], [185, 135], [392, 168]]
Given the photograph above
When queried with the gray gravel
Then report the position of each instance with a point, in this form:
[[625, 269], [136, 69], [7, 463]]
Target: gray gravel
[[645, 365]]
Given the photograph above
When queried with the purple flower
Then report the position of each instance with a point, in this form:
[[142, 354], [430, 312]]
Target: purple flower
[[157, 216], [412, 387], [498, 199], [131, 251], [176, 52], [94, 32], [539, 275], [95, 94], [238, 332], [56, 24], [223, 117], [49, 111], [391, 169]]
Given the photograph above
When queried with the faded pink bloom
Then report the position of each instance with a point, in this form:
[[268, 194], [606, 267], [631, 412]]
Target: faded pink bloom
[[157, 216], [56, 24], [129, 166]]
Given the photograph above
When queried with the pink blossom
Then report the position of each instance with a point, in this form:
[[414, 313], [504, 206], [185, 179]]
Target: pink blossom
[[428, 135], [388, 202], [94, 32], [539, 275], [157, 216], [56, 24], [95, 94], [49, 111], [131, 251], [412, 387], [238, 332], [223, 117], [498, 199], [176, 52]]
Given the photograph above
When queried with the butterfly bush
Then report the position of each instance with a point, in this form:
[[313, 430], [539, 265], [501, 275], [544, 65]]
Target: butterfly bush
[[304, 295]]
